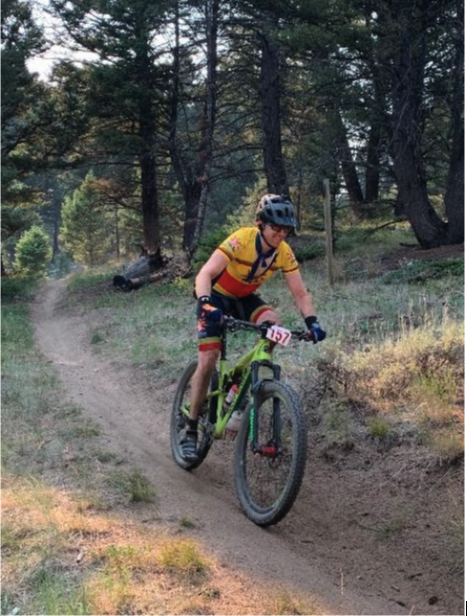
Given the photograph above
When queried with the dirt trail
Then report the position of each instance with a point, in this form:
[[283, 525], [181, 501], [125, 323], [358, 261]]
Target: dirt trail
[[306, 551]]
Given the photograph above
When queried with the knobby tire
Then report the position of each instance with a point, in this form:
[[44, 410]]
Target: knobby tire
[[261, 513], [177, 416]]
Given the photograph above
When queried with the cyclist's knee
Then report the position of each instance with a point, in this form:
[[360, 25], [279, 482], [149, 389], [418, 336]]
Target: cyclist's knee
[[269, 315], [207, 359]]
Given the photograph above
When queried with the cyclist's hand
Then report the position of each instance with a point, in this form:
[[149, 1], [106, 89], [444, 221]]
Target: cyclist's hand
[[315, 333], [206, 311]]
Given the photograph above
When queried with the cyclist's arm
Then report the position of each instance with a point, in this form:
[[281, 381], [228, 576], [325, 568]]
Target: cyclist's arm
[[300, 294], [212, 268]]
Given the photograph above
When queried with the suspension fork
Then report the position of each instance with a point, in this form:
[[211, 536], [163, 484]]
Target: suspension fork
[[271, 449]]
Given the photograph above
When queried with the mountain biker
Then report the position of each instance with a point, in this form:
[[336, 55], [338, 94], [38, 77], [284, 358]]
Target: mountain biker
[[227, 284]]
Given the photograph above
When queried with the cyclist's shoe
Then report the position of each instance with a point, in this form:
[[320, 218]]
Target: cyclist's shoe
[[189, 446]]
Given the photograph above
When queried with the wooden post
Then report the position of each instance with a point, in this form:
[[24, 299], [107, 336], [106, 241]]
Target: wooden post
[[328, 228]]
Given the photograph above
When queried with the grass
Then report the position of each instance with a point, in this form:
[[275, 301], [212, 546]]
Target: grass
[[182, 556], [393, 358], [75, 547], [282, 602], [393, 343], [186, 523], [378, 428], [413, 272], [134, 485]]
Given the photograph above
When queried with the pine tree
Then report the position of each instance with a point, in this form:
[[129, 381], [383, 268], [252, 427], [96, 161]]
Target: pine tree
[[86, 229], [33, 253]]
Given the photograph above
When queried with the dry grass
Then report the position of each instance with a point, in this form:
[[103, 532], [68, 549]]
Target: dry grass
[[416, 378], [58, 561], [71, 543], [282, 602]]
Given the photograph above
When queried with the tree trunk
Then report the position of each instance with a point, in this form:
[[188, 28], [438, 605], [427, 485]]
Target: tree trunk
[[117, 233], [408, 82], [145, 77], [372, 173], [349, 171], [454, 197], [149, 200], [192, 195], [270, 92], [194, 176], [209, 120]]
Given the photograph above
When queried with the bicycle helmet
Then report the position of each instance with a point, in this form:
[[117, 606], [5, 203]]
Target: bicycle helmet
[[276, 210]]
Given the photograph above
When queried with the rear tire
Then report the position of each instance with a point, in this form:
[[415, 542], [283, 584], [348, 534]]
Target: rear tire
[[178, 420], [267, 485]]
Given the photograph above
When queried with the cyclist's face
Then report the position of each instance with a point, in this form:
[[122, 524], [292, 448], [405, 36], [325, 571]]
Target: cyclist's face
[[274, 234]]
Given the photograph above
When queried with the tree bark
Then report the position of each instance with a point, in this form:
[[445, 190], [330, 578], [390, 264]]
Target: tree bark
[[209, 119], [270, 92], [349, 170], [408, 83], [454, 197], [372, 173], [149, 200], [194, 175]]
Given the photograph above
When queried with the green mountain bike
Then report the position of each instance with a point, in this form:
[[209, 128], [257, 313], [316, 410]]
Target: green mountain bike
[[271, 444]]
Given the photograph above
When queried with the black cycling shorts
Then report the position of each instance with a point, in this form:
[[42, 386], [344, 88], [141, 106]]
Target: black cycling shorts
[[248, 308]]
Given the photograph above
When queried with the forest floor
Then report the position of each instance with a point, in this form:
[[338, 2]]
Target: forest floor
[[366, 535]]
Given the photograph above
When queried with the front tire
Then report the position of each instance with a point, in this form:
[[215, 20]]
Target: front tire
[[178, 420], [268, 484]]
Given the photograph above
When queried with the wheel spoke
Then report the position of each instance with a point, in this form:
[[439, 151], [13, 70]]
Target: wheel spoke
[[268, 472], [180, 415]]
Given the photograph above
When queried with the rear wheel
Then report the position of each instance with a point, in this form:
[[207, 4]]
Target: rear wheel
[[268, 481], [179, 418]]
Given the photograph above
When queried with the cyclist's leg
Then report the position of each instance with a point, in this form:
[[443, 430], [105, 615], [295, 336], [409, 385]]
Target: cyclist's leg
[[209, 346], [207, 360], [257, 311]]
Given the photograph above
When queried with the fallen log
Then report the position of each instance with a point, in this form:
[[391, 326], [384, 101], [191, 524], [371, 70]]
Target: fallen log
[[142, 271], [148, 269]]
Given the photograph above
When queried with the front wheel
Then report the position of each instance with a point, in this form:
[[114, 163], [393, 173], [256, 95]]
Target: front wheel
[[268, 480], [179, 418]]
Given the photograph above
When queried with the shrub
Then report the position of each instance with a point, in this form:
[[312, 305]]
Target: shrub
[[182, 556], [207, 246], [33, 253], [416, 272], [134, 485], [309, 252], [16, 288]]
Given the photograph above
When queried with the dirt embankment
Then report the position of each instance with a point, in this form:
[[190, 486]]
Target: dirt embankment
[[366, 534]]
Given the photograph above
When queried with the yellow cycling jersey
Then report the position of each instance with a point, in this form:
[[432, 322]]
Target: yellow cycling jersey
[[238, 280]]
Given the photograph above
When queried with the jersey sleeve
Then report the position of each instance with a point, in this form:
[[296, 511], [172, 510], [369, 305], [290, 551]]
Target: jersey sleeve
[[233, 245], [287, 261]]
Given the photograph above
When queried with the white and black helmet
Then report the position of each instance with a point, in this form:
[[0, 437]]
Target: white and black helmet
[[276, 210]]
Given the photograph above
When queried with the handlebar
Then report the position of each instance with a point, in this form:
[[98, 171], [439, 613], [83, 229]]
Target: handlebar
[[236, 324]]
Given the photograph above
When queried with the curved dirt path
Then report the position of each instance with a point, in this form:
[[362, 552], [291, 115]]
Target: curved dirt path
[[293, 553]]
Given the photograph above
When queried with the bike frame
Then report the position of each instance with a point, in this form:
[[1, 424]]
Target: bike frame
[[244, 373]]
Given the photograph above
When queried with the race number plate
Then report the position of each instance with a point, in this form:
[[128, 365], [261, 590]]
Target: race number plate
[[279, 334]]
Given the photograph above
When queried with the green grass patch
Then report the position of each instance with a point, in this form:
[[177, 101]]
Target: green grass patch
[[96, 337], [183, 557], [89, 279], [378, 428], [55, 595], [308, 253], [283, 602], [17, 289], [421, 272], [134, 485], [186, 523]]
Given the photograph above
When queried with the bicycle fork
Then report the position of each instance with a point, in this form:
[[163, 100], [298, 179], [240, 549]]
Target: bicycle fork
[[273, 447]]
